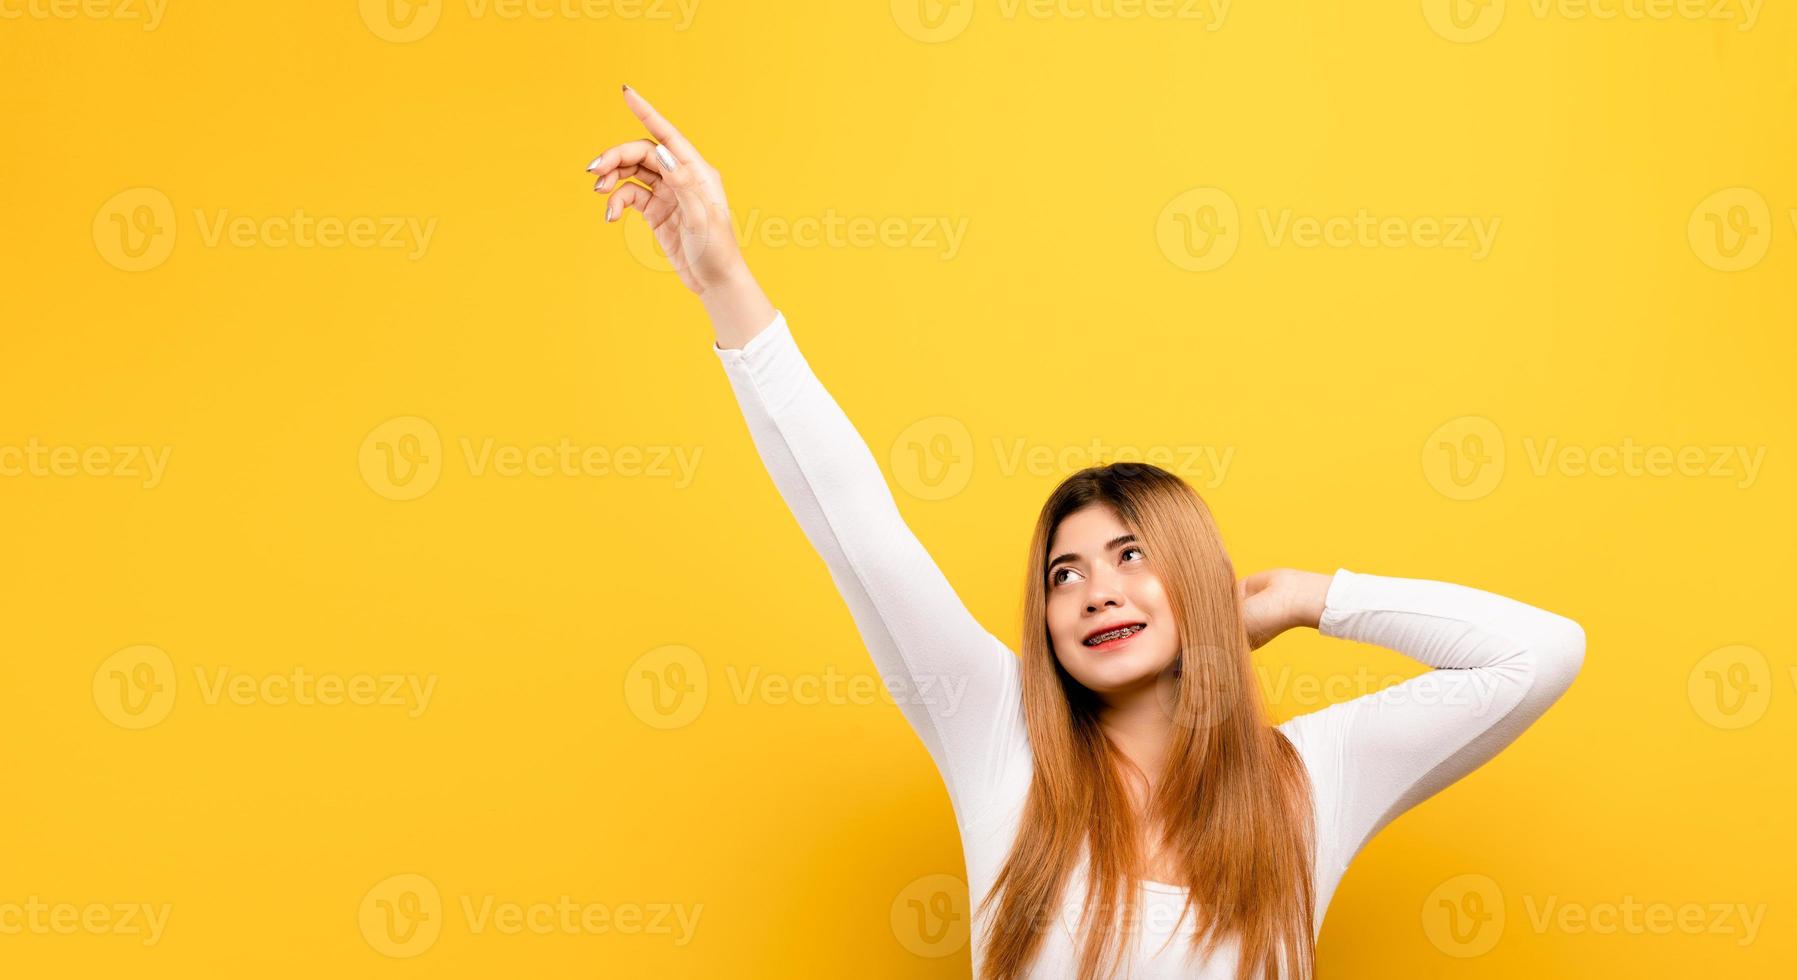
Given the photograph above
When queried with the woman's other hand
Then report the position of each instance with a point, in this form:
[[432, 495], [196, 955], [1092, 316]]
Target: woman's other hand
[[1278, 599]]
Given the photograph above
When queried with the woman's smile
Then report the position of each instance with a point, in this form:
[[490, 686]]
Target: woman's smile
[[1128, 632]]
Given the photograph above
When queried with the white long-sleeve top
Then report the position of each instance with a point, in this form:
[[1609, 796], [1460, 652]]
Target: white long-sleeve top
[[1499, 664]]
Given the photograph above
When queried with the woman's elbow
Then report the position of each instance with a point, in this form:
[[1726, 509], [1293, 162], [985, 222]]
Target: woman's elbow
[[1560, 653]]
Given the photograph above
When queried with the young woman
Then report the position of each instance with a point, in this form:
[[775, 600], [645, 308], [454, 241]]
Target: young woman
[[1123, 802]]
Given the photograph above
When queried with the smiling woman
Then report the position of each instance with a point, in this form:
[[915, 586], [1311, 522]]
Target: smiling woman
[[1125, 803]]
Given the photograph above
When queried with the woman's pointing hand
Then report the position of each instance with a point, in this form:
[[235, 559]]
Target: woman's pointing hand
[[681, 196]]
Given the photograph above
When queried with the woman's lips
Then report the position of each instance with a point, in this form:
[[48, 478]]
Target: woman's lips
[[1116, 643]]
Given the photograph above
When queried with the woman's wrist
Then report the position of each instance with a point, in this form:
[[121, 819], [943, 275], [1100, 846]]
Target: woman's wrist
[[738, 308], [1305, 598]]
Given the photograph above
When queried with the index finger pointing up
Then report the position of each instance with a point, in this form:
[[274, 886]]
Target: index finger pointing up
[[663, 131]]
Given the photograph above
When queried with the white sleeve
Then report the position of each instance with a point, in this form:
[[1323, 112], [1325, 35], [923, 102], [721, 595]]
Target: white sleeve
[[1499, 665], [957, 684]]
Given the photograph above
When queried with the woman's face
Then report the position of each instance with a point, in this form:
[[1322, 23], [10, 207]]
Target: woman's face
[[1098, 577]]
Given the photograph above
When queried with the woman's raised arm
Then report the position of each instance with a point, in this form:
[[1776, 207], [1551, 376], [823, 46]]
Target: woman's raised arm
[[956, 683]]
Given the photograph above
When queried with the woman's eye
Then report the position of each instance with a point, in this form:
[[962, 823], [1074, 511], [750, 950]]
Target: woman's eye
[[1054, 577]]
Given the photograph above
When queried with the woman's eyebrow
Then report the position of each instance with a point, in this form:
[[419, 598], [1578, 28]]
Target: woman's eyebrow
[[1118, 541]]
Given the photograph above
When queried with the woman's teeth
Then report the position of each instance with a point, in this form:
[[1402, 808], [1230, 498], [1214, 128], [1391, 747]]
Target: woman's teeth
[[1118, 633]]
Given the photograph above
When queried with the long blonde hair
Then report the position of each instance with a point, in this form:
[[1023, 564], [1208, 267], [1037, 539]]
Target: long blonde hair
[[1233, 801]]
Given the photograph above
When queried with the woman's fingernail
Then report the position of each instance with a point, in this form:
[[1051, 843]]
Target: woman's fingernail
[[598, 182], [611, 212], [595, 164], [666, 158], [625, 88]]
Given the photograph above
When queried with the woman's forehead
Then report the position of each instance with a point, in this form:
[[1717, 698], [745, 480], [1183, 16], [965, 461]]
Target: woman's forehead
[[1087, 529]]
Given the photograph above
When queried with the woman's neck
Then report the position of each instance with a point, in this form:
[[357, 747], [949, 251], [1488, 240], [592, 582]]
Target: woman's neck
[[1139, 723]]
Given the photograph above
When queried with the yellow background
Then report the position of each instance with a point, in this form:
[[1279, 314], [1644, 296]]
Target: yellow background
[[1058, 141]]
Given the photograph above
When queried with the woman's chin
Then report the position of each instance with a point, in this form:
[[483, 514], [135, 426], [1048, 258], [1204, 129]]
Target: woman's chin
[[1122, 671]]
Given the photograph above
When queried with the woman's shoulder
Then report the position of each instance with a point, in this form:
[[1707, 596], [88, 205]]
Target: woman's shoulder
[[1316, 733], [1318, 737]]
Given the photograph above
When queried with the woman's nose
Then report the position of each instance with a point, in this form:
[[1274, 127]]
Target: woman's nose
[[1103, 592]]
